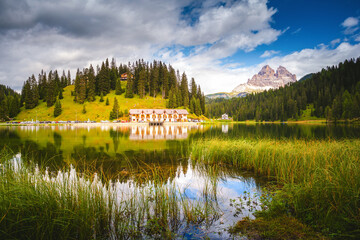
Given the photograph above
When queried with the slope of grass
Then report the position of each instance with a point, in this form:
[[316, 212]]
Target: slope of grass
[[320, 179], [94, 110]]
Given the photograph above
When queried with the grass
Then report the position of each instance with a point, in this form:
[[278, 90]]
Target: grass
[[37, 204], [95, 110], [320, 179], [276, 228]]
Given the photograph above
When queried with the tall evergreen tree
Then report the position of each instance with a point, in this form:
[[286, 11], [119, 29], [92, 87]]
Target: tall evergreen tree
[[141, 83], [184, 90], [69, 78], [118, 89], [91, 90], [101, 97], [193, 89], [51, 91], [114, 114], [129, 88], [57, 108]]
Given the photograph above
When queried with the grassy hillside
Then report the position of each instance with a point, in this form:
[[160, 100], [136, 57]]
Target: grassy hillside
[[95, 110]]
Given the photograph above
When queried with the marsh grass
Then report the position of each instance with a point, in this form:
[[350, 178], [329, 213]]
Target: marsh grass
[[320, 179], [38, 204]]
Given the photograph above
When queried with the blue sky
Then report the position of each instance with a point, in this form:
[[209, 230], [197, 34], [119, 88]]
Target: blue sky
[[219, 43]]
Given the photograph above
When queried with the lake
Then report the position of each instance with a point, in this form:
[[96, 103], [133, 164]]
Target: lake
[[130, 155]]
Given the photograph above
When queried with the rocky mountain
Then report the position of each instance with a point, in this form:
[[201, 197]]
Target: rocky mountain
[[266, 79]]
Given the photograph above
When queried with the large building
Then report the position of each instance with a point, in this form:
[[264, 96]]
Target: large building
[[158, 115]]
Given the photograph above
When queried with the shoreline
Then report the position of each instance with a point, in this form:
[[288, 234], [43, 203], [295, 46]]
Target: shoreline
[[110, 124]]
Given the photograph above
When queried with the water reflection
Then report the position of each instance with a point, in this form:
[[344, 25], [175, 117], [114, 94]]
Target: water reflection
[[160, 132], [142, 154]]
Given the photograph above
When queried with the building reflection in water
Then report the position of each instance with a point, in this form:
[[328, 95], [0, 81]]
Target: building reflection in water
[[159, 132]]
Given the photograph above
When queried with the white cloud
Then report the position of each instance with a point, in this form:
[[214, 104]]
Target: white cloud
[[313, 60], [296, 31], [269, 53], [38, 34], [335, 41], [350, 22]]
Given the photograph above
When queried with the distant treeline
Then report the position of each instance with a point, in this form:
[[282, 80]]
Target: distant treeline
[[9, 103], [333, 93], [142, 78]]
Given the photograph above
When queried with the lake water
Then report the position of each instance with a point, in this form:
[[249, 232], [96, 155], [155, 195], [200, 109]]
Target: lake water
[[127, 152]]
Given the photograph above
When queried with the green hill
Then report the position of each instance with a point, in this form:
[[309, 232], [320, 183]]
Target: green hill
[[94, 110]]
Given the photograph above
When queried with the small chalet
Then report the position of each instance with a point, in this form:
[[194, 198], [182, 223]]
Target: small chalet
[[158, 115], [224, 117], [123, 77]]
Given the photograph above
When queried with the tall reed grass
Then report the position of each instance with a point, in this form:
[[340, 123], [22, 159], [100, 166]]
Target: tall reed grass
[[320, 179], [37, 204]]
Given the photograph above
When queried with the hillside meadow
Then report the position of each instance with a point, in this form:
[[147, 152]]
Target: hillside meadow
[[94, 110]]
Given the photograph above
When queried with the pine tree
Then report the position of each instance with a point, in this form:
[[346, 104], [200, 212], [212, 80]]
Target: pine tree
[[193, 88], [107, 102], [84, 109], [197, 107], [69, 79], [101, 97], [141, 83], [118, 89], [114, 114], [91, 90], [50, 93], [192, 105], [61, 94], [129, 90], [27, 94], [184, 90], [57, 108]]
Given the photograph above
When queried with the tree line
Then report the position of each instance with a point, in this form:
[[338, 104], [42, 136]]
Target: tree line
[[142, 78], [333, 93], [10, 103]]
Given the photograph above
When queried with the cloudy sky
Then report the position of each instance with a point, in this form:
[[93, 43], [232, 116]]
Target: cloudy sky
[[219, 43]]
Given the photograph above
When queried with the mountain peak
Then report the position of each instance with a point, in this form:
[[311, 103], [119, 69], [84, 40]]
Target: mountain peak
[[266, 79], [266, 70]]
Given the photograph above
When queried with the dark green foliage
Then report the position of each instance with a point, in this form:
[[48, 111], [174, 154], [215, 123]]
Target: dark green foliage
[[80, 87], [129, 87], [57, 108], [84, 109], [152, 79], [141, 83], [115, 114], [61, 94], [101, 97], [333, 94], [107, 102], [9, 103], [51, 92], [91, 90], [184, 91], [118, 89]]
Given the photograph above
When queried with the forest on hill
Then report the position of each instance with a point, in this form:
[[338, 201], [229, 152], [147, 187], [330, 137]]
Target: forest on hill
[[9, 103], [142, 79], [333, 93]]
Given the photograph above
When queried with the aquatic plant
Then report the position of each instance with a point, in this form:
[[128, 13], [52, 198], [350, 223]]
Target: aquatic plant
[[320, 179], [38, 204]]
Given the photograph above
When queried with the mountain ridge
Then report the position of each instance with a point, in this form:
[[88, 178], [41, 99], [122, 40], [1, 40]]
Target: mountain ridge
[[265, 79]]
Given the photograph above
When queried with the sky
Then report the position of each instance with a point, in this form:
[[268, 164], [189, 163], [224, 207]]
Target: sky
[[220, 43]]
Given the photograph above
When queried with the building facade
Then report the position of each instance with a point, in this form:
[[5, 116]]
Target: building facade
[[224, 117], [158, 115]]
